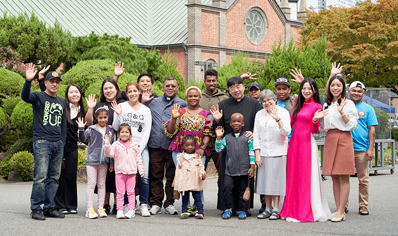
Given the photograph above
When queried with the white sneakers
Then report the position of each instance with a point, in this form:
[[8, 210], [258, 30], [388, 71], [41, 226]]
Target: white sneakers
[[101, 213], [144, 210], [155, 210], [130, 214], [91, 214], [171, 210], [120, 214]]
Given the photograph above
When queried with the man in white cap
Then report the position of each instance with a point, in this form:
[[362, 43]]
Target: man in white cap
[[364, 138]]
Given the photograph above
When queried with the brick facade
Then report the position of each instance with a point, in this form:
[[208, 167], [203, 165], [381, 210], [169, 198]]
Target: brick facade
[[210, 28]]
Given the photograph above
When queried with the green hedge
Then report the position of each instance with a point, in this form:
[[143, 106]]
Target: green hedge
[[23, 144], [8, 139], [9, 104], [394, 134], [22, 117], [3, 119], [81, 159], [21, 162], [11, 83]]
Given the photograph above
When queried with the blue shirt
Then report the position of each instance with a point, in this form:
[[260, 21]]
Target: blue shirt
[[283, 105], [367, 117]]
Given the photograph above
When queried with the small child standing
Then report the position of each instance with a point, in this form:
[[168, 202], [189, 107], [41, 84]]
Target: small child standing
[[189, 176], [128, 160], [239, 161], [96, 161]]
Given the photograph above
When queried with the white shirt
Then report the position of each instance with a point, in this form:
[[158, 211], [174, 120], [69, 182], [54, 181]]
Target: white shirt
[[334, 120], [267, 136], [73, 111]]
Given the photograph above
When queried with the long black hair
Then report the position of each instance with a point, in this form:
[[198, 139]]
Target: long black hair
[[329, 95], [301, 99], [67, 102], [112, 81]]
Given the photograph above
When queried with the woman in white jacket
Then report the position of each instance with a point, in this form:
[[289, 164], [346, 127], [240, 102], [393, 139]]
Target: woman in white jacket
[[139, 117], [270, 143]]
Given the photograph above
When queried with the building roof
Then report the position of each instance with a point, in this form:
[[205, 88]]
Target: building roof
[[147, 22]]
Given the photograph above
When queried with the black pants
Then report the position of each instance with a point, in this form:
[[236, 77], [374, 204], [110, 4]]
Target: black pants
[[161, 160], [216, 156], [240, 184], [66, 197]]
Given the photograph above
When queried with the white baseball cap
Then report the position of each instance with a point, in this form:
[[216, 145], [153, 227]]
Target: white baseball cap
[[357, 84]]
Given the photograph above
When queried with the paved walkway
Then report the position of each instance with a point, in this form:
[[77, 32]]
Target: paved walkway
[[383, 220]]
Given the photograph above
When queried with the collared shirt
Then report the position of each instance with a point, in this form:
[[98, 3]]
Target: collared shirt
[[73, 111], [334, 120]]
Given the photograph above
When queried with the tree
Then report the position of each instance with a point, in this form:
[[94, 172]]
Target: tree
[[363, 38], [34, 40]]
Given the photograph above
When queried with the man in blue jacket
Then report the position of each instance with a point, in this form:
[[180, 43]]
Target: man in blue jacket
[[49, 134]]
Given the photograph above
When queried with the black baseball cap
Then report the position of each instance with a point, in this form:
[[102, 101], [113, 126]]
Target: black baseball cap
[[51, 75], [282, 80], [254, 84]]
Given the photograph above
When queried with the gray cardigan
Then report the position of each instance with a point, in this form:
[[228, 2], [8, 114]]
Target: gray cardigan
[[95, 150]]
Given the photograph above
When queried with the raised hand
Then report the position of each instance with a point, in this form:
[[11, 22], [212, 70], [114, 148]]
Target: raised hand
[[274, 113], [119, 70], [106, 139], [80, 122], [342, 104], [336, 69], [175, 111], [116, 108], [30, 71], [219, 132], [297, 75], [248, 76], [43, 71], [146, 96], [320, 114], [216, 113], [91, 101]]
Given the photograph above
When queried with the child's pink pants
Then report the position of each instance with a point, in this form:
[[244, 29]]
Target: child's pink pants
[[96, 175], [125, 183]]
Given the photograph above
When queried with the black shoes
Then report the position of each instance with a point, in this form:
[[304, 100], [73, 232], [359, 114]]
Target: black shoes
[[114, 210], [107, 209], [52, 212], [37, 215]]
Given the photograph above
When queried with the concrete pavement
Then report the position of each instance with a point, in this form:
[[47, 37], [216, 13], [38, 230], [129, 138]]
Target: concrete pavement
[[15, 216]]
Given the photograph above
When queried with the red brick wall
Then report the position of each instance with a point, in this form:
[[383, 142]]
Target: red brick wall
[[294, 33], [181, 58], [210, 28], [236, 37], [207, 55], [228, 58]]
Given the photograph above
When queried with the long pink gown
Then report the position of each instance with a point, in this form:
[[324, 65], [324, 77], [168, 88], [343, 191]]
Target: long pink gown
[[305, 200]]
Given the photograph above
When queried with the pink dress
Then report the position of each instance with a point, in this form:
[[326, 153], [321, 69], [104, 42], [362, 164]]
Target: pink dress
[[305, 200]]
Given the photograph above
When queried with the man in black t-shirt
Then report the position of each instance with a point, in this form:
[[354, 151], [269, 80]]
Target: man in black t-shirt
[[49, 134]]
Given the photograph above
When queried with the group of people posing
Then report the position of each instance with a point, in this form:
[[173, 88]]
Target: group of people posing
[[135, 136]]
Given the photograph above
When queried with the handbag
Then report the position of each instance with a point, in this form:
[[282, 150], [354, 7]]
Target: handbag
[[246, 195]]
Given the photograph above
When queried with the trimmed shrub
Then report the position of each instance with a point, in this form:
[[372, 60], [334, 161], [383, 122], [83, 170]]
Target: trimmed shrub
[[22, 163], [81, 159], [11, 83], [9, 104], [22, 117], [5, 166], [23, 144], [85, 73], [8, 139], [3, 119]]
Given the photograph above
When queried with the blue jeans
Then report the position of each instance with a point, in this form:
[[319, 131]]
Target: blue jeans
[[144, 182], [48, 160], [185, 199], [174, 155]]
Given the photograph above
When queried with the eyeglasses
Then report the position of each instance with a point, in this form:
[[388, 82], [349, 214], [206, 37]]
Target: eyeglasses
[[266, 101], [234, 87]]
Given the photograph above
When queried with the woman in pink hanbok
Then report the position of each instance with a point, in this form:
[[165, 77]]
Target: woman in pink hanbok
[[305, 200]]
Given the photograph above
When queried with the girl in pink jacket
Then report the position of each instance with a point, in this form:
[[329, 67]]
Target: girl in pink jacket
[[128, 161]]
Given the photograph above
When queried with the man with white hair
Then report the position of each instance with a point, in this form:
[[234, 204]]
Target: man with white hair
[[363, 138]]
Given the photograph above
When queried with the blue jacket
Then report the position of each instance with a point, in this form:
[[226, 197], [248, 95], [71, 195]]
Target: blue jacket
[[95, 149], [161, 113]]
